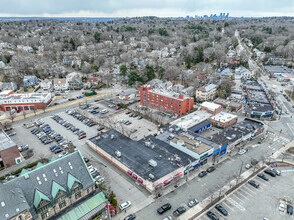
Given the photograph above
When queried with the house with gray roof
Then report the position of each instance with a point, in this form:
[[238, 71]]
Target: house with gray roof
[[61, 189], [128, 94]]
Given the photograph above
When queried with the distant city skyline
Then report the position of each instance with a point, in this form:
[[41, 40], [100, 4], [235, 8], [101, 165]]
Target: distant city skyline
[[132, 8]]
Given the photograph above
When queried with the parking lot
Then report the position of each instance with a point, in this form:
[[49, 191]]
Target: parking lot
[[252, 203]]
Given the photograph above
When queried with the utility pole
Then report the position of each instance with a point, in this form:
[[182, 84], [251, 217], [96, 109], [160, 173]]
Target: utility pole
[[241, 167]]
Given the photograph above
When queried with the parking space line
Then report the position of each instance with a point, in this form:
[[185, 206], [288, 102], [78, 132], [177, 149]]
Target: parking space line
[[247, 188], [236, 197], [226, 205], [245, 192], [236, 204], [242, 195]]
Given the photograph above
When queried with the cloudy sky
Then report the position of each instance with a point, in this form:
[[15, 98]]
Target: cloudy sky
[[132, 8]]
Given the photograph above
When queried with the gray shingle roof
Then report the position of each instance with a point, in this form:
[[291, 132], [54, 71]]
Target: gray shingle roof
[[12, 202], [58, 171]]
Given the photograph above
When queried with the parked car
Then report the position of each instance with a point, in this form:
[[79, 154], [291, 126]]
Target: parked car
[[202, 174], [168, 218], [212, 216], [276, 171], [243, 151], [140, 117], [11, 133], [125, 205], [210, 169], [58, 150], [221, 209], [262, 176], [100, 128], [164, 208], [290, 209], [82, 137], [193, 202], [117, 108], [23, 148], [253, 183], [179, 211], [270, 172], [130, 217], [282, 206]]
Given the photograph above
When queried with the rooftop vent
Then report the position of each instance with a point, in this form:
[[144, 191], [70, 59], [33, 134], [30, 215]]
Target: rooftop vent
[[151, 176], [152, 163], [26, 177], [117, 153]]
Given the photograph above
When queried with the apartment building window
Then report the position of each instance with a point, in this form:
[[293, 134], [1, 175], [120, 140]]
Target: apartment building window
[[62, 204], [44, 214], [78, 194]]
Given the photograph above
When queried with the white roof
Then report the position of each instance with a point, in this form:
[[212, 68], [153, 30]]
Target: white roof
[[191, 119], [223, 117], [210, 105]]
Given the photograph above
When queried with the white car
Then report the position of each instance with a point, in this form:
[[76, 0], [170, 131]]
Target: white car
[[241, 152], [125, 205], [168, 218], [282, 206]]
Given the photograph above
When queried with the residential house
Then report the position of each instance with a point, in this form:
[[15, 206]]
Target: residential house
[[242, 73], [206, 93], [72, 75], [8, 86], [92, 82], [30, 80], [46, 84], [128, 94], [231, 53], [75, 83], [61, 189], [226, 73], [60, 84]]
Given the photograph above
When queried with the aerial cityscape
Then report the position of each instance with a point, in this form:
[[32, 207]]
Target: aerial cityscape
[[146, 110]]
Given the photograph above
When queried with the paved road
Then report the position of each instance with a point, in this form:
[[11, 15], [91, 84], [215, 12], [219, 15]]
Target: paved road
[[201, 188]]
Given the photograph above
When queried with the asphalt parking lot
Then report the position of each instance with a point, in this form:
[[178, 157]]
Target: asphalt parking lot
[[251, 203], [143, 126]]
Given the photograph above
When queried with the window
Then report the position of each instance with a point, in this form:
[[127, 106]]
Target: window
[[78, 194], [62, 204], [44, 215]]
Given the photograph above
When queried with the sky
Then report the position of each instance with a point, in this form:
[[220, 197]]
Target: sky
[[133, 8]]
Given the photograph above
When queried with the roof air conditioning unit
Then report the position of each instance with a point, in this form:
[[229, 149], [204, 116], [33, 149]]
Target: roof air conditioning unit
[[117, 153], [152, 163], [151, 176]]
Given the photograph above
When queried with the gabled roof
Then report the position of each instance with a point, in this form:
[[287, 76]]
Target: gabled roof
[[39, 196], [59, 81], [71, 181], [55, 189], [57, 170]]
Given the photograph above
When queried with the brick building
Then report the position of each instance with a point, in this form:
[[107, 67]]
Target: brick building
[[228, 104], [223, 120], [9, 154], [211, 107], [21, 102], [165, 100]]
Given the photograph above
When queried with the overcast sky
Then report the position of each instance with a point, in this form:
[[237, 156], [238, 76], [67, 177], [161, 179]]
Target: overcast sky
[[132, 8]]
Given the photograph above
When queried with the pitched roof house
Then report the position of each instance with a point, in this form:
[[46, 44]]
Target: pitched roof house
[[60, 84]]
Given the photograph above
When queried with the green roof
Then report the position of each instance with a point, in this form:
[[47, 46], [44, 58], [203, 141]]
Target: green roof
[[39, 165], [71, 181], [55, 189], [39, 196], [85, 207], [23, 171]]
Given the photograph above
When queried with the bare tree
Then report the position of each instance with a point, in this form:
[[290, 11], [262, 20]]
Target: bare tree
[[24, 113], [44, 107], [35, 110], [12, 115]]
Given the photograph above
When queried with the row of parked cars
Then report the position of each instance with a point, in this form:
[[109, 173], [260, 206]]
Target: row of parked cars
[[133, 115], [81, 118], [81, 134], [41, 133], [95, 174]]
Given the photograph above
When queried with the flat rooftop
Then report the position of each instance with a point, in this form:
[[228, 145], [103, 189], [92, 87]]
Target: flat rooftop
[[235, 132], [227, 102], [170, 94], [223, 117], [191, 119], [24, 96], [278, 69], [5, 141], [136, 154], [191, 143], [210, 105]]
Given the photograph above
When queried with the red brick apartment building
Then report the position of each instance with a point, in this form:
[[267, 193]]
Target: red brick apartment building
[[165, 101]]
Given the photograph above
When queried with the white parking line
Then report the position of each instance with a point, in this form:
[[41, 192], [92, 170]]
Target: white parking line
[[245, 192], [237, 197], [236, 204], [239, 193], [247, 188], [227, 206]]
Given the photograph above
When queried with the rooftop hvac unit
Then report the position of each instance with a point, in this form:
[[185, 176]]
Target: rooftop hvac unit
[[151, 176], [178, 159], [117, 153], [152, 163], [112, 136]]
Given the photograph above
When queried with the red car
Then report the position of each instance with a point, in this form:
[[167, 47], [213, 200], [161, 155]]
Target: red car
[[83, 136], [118, 108]]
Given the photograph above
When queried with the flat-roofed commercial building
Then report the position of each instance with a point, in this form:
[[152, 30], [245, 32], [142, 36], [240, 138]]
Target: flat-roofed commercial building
[[211, 107], [223, 120], [28, 101]]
